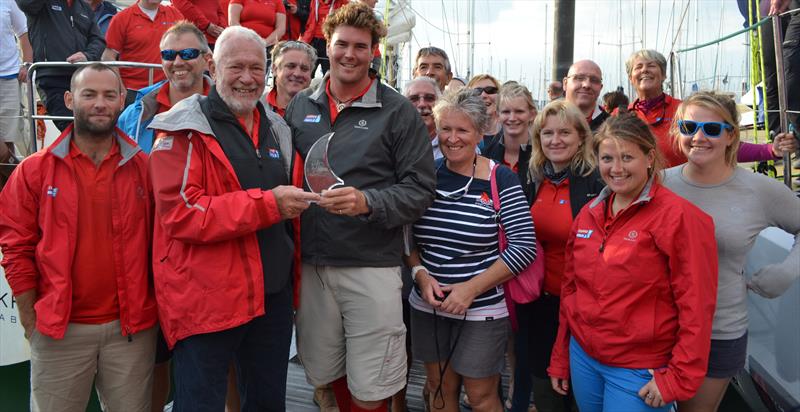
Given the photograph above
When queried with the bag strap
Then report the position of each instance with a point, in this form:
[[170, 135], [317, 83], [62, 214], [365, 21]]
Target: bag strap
[[501, 234]]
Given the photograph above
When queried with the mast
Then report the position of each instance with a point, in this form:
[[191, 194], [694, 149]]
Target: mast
[[564, 37], [471, 46]]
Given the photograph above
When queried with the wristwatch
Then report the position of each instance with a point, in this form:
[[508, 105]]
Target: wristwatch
[[414, 271]]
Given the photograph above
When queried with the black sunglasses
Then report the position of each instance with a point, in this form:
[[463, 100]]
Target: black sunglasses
[[186, 54], [710, 129], [487, 90]]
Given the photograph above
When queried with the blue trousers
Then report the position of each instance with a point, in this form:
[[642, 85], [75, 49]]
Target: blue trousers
[[260, 351], [598, 387]]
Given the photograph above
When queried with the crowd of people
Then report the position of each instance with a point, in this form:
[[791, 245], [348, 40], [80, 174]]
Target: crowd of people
[[170, 228]]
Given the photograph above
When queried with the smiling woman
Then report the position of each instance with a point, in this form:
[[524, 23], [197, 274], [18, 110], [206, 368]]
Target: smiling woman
[[644, 326], [459, 319]]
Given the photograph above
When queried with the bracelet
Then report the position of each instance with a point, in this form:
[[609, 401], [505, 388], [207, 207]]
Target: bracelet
[[414, 271]]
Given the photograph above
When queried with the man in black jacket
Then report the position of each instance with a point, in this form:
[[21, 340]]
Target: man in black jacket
[[60, 30], [349, 322]]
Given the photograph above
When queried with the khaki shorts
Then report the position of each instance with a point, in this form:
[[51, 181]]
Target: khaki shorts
[[63, 370], [350, 322]]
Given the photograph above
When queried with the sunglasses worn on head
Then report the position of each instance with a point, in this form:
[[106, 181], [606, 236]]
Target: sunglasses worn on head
[[186, 54], [710, 129], [487, 90]]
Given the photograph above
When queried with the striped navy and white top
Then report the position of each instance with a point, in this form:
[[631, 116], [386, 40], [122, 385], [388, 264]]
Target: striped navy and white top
[[457, 239]]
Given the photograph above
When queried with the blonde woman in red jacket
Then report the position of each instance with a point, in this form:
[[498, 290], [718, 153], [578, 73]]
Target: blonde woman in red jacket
[[638, 295]]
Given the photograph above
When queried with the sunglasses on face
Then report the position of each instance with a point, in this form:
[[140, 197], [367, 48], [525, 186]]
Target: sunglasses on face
[[710, 129], [186, 54], [487, 90]]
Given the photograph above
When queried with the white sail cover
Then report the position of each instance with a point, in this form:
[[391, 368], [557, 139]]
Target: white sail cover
[[401, 20]]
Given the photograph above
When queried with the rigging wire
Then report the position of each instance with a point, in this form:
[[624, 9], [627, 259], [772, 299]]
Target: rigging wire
[[421, 16], [447, 26]]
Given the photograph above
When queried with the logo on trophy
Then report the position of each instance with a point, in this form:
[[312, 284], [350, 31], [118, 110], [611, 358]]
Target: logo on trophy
[[318, 173]]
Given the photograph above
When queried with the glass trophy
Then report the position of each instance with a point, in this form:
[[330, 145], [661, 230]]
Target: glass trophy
[[318, 173]]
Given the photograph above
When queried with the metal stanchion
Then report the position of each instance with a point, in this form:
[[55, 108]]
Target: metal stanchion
[[32, 146], [782, 102]]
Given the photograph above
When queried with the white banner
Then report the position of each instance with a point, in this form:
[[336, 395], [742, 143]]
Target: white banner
[[13, 345]]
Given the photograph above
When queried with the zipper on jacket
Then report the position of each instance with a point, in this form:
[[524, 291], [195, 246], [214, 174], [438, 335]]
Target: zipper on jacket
[[72, 22]]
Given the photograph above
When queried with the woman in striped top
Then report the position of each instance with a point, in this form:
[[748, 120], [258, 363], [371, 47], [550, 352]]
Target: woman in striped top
[[459, 323]]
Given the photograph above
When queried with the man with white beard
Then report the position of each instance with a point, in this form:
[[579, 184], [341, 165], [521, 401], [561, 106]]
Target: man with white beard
[[222, 169]]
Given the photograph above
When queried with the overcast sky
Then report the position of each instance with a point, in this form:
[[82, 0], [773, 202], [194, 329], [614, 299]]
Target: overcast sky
[[514, 37]]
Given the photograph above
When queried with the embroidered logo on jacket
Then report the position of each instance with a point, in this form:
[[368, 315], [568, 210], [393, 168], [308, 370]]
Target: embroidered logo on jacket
[[362, 124], [274, 153], [584, 233], [52, 191], [312, 118], [632, 235]]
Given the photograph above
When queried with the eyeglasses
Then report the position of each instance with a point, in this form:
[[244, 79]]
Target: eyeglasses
[[414, 98], [186, 54], [487, 90], [710, 129], [580, 78]]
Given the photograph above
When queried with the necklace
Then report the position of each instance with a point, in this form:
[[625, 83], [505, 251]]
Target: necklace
[[341, 104]]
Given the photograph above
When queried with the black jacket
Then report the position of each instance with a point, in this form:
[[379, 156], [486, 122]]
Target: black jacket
[[496, 151], [57, 31], [381, 147], [582, 189]]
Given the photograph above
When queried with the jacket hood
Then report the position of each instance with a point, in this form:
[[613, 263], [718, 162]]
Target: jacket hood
[[187, 115], [127, 147]]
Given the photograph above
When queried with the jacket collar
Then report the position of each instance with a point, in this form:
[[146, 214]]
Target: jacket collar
[[647, 194], [127, 147], [184, 115], [370, 99]]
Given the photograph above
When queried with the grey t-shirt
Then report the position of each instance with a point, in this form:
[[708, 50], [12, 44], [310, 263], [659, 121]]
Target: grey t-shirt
[[742, 207]]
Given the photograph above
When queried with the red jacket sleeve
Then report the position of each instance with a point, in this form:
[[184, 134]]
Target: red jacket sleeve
[[559, 357], [692, 249], [194, 14], [186, 211], [19, 227]]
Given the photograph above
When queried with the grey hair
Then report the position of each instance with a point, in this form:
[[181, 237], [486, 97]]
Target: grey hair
[[423, 79], [648, 55], [186, 27], [463, 101], [433, 51], [281, 48], [232, 33]]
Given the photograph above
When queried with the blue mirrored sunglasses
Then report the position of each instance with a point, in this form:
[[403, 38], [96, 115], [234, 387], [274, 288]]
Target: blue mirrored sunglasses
[[186, 54], [710, 129]]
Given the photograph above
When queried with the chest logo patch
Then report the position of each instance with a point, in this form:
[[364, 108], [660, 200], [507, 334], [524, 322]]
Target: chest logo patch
[[52, 191], [362, 124], [274, 153], [312, 118], [632, 235], [56, 7], [163, 143], [562, 202], [484, 200], [584, 233]]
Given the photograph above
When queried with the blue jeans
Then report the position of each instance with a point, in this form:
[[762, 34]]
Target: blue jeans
[[598, 387], [260, 351]]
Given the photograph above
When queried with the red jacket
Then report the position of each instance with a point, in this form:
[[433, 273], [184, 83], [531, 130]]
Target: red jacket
[[641, 289], [660, 120], [207, 263], [319, 12], [38, 225], [202, 13]]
